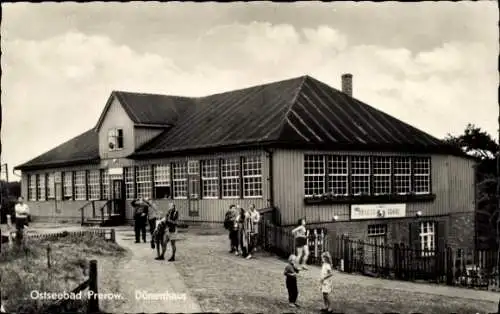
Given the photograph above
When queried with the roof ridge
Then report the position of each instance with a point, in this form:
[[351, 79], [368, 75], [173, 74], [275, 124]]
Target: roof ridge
[[294, 100]]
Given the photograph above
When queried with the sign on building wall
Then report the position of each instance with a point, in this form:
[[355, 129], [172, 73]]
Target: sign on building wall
[[378, 211], [115, 171]]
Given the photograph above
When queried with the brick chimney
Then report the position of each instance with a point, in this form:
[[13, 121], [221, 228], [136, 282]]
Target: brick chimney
[[347, 84]]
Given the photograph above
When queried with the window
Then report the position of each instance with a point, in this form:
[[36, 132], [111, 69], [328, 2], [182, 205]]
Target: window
[[162, 187], [129, 183], [381, 175], [194, 179], [338, 173], [32, 187], [314, 175], [50, 186], [41, 187], [94, 187], [144, 181], [377, 230], [210, 178], [106, 195], [230, 178], [402, 175], [80, 191], [179, 171], [427, 238], [115, 139], [360, 172], [422, 175], [68, 185], [252, 177]]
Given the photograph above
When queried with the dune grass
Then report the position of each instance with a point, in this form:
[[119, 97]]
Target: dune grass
[[24, 269]]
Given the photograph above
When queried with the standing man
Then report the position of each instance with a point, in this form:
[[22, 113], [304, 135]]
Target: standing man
[[22, 211], [140, 219], [172, 223], [255, 217], [153, 216]]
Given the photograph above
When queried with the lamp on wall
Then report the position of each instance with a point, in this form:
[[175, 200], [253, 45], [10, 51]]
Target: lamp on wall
[[419, 213], [115, 160], [335, 218]]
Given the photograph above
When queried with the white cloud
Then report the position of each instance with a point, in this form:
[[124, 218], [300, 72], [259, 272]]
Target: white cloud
[[56, 88]]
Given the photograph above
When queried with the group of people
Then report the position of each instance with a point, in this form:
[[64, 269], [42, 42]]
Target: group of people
[[163, 230], [296, 263], [243, 227]]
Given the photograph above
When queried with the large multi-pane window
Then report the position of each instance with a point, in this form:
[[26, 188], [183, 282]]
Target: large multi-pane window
[[143, 179], [179, 172], [252, 177], [422, 175], [41, 187], [93, 184], [210, 178], [402, 175], [129, 183], [338, 172], [80, 188], [51, 192], [314, 175], [105, 184], [230, 169], [367, 175], [32, 187], [67, 185], [360, 175], [381, 175], [162, 186]]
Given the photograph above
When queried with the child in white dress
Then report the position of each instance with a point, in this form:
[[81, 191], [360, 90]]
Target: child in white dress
[[326, 280]]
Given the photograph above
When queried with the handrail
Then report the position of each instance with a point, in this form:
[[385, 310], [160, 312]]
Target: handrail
[[82, 210]]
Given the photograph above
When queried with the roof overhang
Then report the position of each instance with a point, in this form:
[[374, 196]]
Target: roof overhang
[[57, 164]]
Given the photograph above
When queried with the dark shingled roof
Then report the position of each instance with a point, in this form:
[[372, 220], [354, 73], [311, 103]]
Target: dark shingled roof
[[298, 112], [83, 148]]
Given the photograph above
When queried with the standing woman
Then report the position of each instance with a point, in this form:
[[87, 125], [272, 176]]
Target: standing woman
[[243, 218], [300, 235], [172, 222]]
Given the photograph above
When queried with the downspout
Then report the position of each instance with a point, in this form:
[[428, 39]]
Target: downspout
[[271, 183]]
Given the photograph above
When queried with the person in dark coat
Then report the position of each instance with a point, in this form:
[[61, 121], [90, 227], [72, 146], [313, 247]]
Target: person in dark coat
[[140, 219]]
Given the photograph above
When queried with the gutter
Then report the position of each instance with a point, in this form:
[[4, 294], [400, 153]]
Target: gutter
[[271, 180]]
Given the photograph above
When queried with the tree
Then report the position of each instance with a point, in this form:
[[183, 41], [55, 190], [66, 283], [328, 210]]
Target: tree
[[479, 144], [9, 192]]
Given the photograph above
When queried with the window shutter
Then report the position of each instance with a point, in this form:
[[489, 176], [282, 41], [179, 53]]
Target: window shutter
[[440, 235], [415, 235]]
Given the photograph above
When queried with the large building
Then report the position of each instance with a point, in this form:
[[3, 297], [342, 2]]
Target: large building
[[298, 145]]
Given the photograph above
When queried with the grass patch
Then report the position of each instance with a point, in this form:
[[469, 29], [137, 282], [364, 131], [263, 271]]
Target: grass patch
[[225, 283], [25, 269]]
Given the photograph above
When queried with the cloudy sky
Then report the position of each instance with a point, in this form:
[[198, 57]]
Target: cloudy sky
[[432, 65]]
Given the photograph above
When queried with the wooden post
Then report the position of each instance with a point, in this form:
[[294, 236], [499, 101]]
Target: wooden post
[[113, 236], [93, 306], [48, 256], [93, 209], [83, 216], [347, 262]]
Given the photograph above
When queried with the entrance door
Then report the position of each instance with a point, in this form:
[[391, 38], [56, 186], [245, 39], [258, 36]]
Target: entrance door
[[118, 197], [375, 248], [194, 188]]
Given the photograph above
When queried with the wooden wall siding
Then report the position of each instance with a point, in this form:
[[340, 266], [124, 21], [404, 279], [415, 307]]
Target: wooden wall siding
[[116, 117], [461, 183], [452, 182], [66, 209], [143, 135]]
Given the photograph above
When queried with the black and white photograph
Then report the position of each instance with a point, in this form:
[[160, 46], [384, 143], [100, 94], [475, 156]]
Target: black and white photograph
[[250, 157]]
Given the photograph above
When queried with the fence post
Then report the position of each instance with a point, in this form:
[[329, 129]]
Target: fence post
[[449, 266], [93, 306], [83, 216], [396, 261], [113, 236], [48, 255]]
